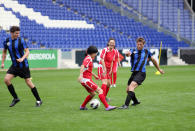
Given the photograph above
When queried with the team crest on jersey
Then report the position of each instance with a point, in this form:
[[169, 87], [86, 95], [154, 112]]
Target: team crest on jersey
[[8, 43]]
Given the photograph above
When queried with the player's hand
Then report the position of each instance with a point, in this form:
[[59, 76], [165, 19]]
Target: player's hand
[[2, 66], [161, 71], [20, 60], [119, 64]]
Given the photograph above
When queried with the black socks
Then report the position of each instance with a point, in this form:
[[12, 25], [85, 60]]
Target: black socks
[[135, 99], [12, 91], [35, 93], [130, 95]]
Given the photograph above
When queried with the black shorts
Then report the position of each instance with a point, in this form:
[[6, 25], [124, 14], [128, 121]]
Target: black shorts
[[21, 72], [138, 77]]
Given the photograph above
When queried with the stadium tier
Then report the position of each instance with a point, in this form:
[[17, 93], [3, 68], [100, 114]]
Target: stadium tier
[[168, 13], [79, 23]]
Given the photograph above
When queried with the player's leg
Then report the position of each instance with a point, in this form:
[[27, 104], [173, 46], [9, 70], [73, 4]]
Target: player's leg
[[103, 78], [7, 80], [108, 85], [115, 74], [114, 78], [111, 79], [103, 100], [34, 91], [104, 86], [87, 99], [130, 94]]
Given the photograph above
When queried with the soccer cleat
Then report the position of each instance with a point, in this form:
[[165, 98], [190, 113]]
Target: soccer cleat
[[83, 108], [137, 103], [14, 102], [109, 108], [108, 99], [111, 86], [38, 103], [124, 107], [114, 85]]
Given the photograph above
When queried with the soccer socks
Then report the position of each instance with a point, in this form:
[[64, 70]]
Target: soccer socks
[[114, 77], [134, 99], [107, 90], [104, 88], [103, 100], [130, 95], [35, 93], [12, 91], [87, 99]]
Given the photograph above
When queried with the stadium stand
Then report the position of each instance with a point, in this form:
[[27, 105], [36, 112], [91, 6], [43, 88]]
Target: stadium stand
[[168, 13], [77, 24]]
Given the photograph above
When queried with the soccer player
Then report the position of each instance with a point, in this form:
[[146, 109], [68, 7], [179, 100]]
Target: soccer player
[[139, 57], [116, 62], [18, 51], [85, 78], [105, 66]]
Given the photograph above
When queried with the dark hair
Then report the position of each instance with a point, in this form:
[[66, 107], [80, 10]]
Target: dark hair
[[91, 50], [140, 39], [110, 40], [14, 28]]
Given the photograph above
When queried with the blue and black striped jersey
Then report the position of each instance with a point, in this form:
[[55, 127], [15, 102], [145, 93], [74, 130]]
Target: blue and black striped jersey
[[16, 50], [139, 59]]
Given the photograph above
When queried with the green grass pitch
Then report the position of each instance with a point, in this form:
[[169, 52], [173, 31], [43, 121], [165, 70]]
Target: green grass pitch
[[168, 103]]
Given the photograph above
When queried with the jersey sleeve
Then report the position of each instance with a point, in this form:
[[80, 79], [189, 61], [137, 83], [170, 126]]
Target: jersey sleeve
[[24, 45], [149, 54], [103, 54], [86, 63]]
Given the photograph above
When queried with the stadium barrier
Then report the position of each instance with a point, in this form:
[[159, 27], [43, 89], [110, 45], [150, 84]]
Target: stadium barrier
[[80, 55], [187, 55], [38, 58]]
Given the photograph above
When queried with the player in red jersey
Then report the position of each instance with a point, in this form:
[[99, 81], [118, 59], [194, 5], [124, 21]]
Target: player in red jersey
[[85, 78], [105, 66], [116, 63]]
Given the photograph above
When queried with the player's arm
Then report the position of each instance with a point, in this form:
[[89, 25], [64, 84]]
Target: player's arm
[[81, 73], [111, 68], [24, 56], [156, 65], [103, 64], [3, 57]]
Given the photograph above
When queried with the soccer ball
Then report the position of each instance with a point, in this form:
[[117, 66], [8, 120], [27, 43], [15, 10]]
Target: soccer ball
[[95, 103]]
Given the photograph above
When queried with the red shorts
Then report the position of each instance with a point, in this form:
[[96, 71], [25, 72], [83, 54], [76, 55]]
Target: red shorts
[[101, 71], [89, 85], [115, 67]]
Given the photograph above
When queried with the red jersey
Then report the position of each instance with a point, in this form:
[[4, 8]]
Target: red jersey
[[88, 64], [108, 57]]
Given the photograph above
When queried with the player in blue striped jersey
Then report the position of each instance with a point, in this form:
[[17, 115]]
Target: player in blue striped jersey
[[139, 58], [18, 51]]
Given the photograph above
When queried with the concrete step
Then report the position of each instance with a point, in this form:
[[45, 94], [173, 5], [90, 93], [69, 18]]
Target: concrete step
[[174, 60]]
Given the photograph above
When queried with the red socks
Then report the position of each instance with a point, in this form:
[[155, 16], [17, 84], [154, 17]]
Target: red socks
[[103, 100], [107, 89], [114, 77], [87, 99], [104, 88]]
